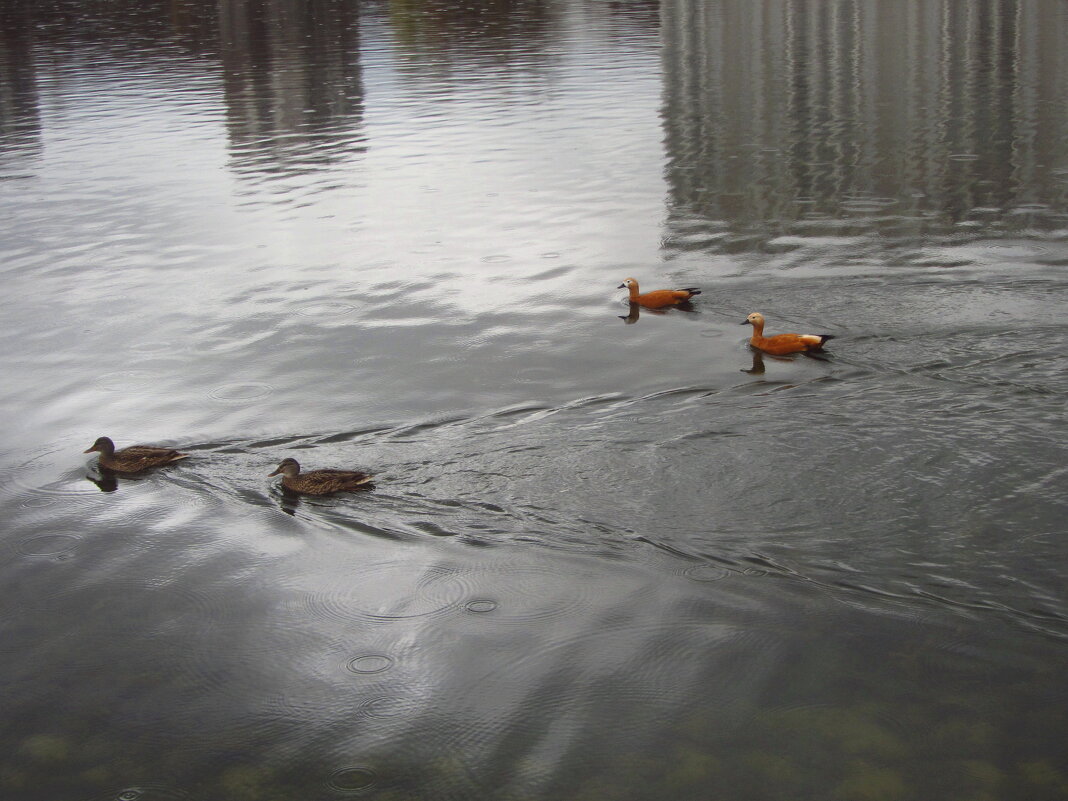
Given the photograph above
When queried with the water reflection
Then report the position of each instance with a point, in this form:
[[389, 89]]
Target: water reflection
[[757, 367], [851, 117], [288, 501], [20, 127], [291, 76], [119, 24], [292, 83], [579, 579], [438, 27], [106, 481], [109, 481], [635, 311]]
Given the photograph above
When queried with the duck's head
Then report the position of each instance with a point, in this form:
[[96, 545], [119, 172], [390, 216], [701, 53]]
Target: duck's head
[[755, 319], [102, 445], [288, 467], [628, 283]]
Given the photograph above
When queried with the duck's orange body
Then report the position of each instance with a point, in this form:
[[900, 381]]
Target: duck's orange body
[[782, 344], [658, 298]]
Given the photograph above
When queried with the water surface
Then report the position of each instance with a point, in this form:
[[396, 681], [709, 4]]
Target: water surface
[[611, 553]]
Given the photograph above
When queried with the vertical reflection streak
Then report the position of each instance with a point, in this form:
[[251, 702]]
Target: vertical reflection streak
[[20, 126], [293, 87], [938, 111]]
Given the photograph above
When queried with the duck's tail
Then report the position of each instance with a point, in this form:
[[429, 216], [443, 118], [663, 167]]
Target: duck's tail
[[824, 338], [692, 290]]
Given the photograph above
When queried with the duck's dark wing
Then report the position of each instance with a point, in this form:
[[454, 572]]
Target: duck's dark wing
[[150, 452], [141, 457], [334, 480]]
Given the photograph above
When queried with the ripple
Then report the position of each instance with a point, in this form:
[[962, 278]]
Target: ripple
[[963, 157], [48, 545], [369, 664], [355, 779], [495, 258], [71, 485], [326, 309], [524, 593], [407, 774], [389, 591], [145, 792], [241, 392], [705, 573], [42, 476], [480, 606], [389, 706]]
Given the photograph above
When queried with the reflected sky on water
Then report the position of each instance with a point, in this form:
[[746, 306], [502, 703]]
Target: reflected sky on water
[[610, 553]]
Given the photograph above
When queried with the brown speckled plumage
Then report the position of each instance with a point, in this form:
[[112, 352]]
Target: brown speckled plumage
[[133, 459], [319, 482]]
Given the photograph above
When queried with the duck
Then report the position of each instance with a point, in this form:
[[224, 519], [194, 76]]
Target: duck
[[319, 482], [658, 298], [133, 459], [781, 344]]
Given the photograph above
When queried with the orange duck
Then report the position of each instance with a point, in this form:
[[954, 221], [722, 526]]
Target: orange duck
[[658, 298], [781, 344]]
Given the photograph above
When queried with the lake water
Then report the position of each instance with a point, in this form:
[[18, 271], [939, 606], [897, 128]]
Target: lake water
[[609, 555]]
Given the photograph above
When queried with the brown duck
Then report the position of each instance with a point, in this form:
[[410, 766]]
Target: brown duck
[[658, 298], [319, 482], [133, 459], [781, 344]]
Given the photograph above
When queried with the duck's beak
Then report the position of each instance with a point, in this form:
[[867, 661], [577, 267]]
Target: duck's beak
[[89, 450], [275, 473], [746, 322], [621, 286]]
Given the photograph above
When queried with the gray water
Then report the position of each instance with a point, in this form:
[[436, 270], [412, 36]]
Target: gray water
[[609, 554]]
